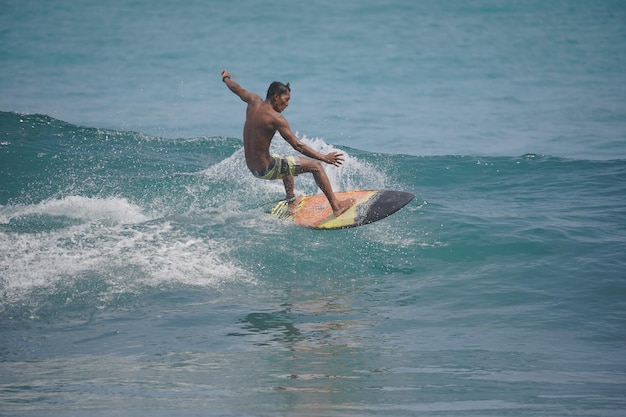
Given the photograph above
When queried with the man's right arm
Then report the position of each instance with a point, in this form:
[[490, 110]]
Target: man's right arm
[[236, 88]]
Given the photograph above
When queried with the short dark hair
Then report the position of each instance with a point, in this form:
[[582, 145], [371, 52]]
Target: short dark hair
[[277, 88]]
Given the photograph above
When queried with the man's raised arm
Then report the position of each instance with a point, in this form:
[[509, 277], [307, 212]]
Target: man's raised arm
[[236, 88]]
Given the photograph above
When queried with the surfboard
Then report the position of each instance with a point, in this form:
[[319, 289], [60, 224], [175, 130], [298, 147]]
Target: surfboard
[[314, 211]]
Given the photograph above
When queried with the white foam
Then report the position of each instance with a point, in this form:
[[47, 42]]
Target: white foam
[[114, 242], [110, 210], [232, 168]]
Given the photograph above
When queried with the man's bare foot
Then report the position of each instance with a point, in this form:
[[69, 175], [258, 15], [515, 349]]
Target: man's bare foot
[[294, 205], [343, 206]]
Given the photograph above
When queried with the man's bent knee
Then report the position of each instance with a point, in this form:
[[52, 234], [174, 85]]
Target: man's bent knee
[[311, 165]]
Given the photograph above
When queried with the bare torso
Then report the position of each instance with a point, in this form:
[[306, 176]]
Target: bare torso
[[258, 132]]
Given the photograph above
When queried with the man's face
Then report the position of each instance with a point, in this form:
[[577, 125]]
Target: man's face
[[281, 102]]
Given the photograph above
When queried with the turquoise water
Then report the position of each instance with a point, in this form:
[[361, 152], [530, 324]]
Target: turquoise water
[[140, 274]]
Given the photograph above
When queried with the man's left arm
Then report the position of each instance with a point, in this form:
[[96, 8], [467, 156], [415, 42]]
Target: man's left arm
[[333, 158]]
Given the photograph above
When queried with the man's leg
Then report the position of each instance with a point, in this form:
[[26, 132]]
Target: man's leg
[[290, 192], [322, 181], [289, 187]]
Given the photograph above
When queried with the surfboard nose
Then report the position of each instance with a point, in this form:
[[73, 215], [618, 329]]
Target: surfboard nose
[[385, 203]]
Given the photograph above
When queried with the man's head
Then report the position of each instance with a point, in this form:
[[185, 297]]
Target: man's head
[[278, 94]]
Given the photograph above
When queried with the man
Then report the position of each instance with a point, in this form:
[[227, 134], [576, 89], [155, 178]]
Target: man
[[263, 119]]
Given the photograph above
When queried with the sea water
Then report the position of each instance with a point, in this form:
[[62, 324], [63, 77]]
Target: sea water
[[140, 274]]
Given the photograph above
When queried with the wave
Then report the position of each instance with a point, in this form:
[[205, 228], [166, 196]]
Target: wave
[[98, 214], [90, 217]]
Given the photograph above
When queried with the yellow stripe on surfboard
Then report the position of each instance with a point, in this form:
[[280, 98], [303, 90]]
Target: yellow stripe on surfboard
[[348, 217]]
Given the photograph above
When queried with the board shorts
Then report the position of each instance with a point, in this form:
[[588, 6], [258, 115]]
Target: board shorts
[[280, 167]]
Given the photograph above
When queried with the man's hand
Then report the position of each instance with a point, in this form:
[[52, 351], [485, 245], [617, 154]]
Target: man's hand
[[225, 74], [334, 158]]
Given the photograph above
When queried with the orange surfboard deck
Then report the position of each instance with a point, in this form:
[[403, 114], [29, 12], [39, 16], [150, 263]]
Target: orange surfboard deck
[[370, 205]]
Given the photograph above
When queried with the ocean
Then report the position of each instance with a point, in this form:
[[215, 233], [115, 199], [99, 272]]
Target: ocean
[[140, 274]]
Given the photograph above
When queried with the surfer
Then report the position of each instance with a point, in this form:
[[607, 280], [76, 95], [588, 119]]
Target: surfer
[[263, 119]]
